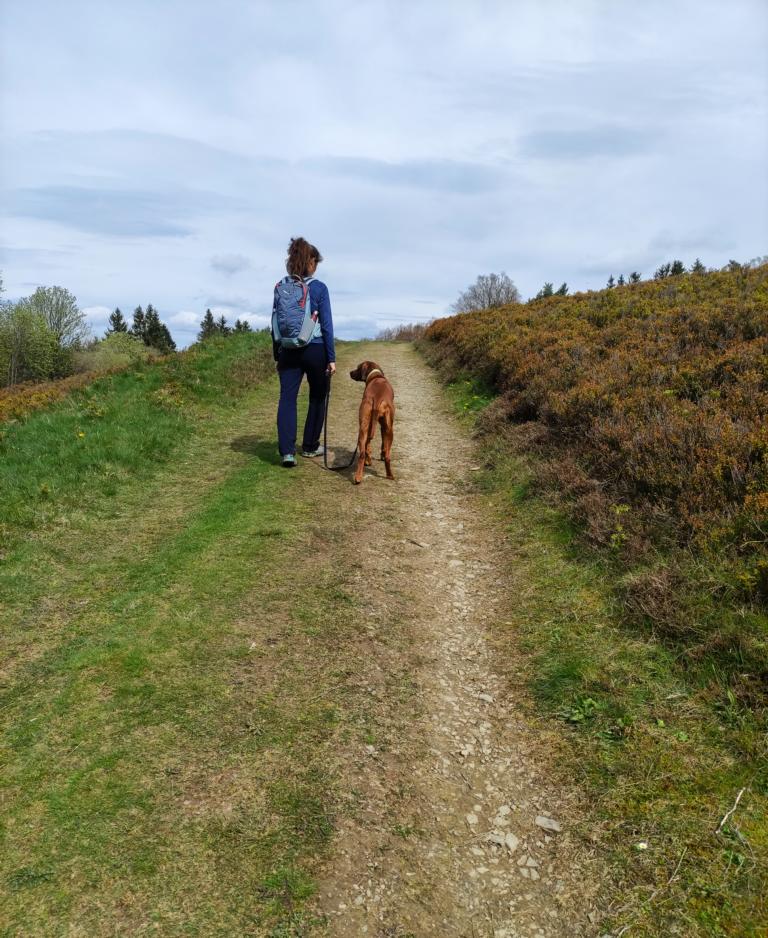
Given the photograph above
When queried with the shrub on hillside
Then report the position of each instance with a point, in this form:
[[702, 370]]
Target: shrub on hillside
[[657, 390], [117, 350]]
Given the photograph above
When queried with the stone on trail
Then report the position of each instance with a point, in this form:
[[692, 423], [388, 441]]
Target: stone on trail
[[548, 824], [512, 842], [496, 838]]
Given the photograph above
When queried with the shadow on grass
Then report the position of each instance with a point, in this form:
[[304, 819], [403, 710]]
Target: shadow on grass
[[266, 451], [259, 448]]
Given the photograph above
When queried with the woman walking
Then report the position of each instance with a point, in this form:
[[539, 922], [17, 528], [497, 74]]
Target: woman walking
[[302, 347]]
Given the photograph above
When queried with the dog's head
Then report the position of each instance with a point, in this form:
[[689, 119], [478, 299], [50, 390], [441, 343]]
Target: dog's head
[[363, 370]]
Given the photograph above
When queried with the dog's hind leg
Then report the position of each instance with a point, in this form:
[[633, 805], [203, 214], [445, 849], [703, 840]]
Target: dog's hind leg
[[383, 426], [367, 423], [387, 435]]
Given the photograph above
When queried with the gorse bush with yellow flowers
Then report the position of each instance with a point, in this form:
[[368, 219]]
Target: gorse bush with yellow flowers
[[647, 405]]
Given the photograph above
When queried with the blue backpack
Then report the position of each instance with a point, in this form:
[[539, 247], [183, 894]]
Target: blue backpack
[[293, 322]]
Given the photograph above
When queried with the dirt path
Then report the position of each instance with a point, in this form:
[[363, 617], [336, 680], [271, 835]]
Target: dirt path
[[452, 828]]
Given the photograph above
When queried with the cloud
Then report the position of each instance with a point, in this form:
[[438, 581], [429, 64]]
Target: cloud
[[119, 212], [440, 175], [230, 263], [184, 318], [97, 316], [41, 258], [237, 302], [257, 320], [667, 242], [585, 143]]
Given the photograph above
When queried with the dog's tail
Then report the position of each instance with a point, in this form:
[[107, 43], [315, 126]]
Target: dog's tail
[[372, 418]]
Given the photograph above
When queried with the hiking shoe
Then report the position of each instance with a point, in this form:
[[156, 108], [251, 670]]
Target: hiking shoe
[[310, 453], [289, 461]]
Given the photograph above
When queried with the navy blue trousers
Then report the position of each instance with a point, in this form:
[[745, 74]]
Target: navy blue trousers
[[292, 365]]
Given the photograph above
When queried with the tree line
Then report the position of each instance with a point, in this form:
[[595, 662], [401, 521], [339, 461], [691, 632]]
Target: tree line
[[210, 327], [46, 336], [490, 291], [146, 326]]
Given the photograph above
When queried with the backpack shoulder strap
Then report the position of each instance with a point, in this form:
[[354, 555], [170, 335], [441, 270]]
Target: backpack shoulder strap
[[308, 300]]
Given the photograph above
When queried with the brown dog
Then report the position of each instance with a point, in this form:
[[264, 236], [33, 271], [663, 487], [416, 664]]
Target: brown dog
[[378, 403]]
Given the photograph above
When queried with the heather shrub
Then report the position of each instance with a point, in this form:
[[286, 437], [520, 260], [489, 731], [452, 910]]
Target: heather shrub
[[658, 391]]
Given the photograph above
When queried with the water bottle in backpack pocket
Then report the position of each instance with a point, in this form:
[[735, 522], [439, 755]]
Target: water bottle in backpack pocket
[[293, 322]]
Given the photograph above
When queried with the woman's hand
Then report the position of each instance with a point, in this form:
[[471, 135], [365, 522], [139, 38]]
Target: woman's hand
[[331, 369]]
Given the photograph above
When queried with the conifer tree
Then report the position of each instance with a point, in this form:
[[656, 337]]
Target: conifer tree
[[662, 271], [152, 327], [139, 327], [546, 290], [621, 281], [117, 322], [611, 282], [678, 267], [562, 290], [698, 267], [207, 327], [634, 277], [168, 345], [156, 333], [242, 325], [221, 325]]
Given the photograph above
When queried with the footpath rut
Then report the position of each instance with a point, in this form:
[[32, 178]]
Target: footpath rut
[[454, 827]]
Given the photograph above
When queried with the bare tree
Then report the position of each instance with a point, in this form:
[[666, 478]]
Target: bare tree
[[59, 309], [487, 292]]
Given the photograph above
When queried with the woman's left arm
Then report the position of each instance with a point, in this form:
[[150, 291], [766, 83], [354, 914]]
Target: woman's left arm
[[326, 322]]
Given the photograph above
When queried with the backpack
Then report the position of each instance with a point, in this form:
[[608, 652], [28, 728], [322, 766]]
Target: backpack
[[293, 321]]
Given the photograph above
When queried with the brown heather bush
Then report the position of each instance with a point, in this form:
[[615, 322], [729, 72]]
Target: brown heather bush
[[658, 391], [21, 399], [651, 407]]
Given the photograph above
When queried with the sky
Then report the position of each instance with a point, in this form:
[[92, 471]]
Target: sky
[[165, 152]]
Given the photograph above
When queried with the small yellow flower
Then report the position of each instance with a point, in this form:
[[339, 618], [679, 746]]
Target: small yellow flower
[[81, 434]]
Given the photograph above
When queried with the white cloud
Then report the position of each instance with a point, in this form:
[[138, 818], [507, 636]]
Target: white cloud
[[230, 264], [183, 318], [97, 314]]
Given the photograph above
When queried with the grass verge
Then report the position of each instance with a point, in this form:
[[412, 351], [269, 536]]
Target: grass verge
[[171, 684]]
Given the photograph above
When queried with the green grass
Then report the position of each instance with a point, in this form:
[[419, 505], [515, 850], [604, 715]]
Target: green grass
[[469, 394], [169, 687], [659, 741]]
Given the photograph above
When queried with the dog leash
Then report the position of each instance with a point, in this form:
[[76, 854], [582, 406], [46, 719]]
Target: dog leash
[[325, 436]]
